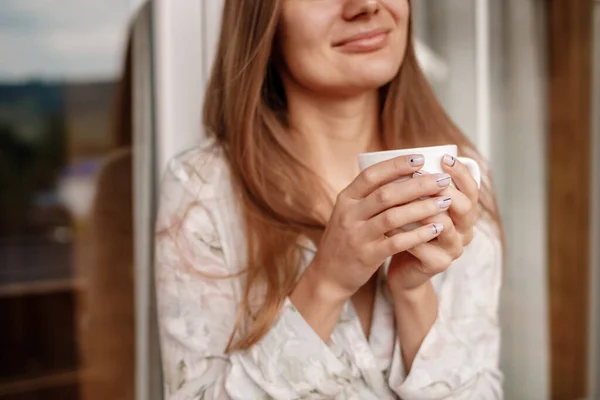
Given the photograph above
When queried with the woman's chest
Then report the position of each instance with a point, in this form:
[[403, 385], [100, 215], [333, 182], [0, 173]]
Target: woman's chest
[[366, 327]]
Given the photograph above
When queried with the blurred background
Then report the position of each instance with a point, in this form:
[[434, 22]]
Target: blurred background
[[96, 96]]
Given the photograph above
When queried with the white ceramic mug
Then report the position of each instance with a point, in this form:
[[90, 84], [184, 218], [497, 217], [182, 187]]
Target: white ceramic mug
[[433, 159]]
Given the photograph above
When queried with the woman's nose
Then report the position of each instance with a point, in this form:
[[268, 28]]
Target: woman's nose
[[358, 8]]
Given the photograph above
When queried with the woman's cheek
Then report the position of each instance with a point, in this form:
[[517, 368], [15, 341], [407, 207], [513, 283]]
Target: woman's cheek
[[399, 9]]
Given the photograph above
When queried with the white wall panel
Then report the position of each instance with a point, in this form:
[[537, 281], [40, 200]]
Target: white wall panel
[[179, 75], [519, 165]]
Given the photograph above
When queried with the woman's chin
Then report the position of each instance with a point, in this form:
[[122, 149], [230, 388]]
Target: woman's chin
[[372, 76], [367, 83]]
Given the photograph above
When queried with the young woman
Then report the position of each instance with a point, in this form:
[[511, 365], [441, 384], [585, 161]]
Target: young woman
[[272, 247]]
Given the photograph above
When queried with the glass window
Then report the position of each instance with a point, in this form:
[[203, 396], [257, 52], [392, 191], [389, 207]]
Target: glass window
[[59, 82]]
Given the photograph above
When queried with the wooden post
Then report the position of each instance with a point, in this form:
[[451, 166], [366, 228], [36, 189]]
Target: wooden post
[[570, 35]]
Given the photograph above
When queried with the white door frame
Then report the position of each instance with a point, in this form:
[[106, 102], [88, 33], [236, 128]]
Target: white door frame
[[483, 78]]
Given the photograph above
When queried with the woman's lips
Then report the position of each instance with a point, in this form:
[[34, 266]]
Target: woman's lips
[[364, 42]]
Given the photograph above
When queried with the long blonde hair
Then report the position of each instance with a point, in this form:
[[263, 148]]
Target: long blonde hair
[[245, 111]]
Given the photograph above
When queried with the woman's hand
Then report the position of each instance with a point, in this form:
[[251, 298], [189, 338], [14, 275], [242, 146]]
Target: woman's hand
[[354, 244], [410, 270]]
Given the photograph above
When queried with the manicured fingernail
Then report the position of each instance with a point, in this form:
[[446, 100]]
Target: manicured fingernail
[[449, 160], [444, 202], [416, 160], [443, 180], [436, 229], [420, 173]]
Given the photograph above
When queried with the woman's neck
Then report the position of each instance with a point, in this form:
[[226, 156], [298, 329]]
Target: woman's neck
[[331, 132]]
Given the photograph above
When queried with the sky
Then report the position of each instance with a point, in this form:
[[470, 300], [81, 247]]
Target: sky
[[62, 39]]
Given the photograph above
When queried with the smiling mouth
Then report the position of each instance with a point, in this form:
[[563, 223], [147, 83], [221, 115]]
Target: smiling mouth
[[364, 42]]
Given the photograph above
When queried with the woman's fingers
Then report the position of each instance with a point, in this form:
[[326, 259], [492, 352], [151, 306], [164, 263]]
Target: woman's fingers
[[433, 258], [462, 209], [451, 239], [397, 193], [388, 246], [465, 198], [461, 176], [461, 204], [379, 174], [397, 217]]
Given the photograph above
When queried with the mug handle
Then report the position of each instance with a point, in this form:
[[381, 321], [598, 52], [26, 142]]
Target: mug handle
[[473, 168]]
